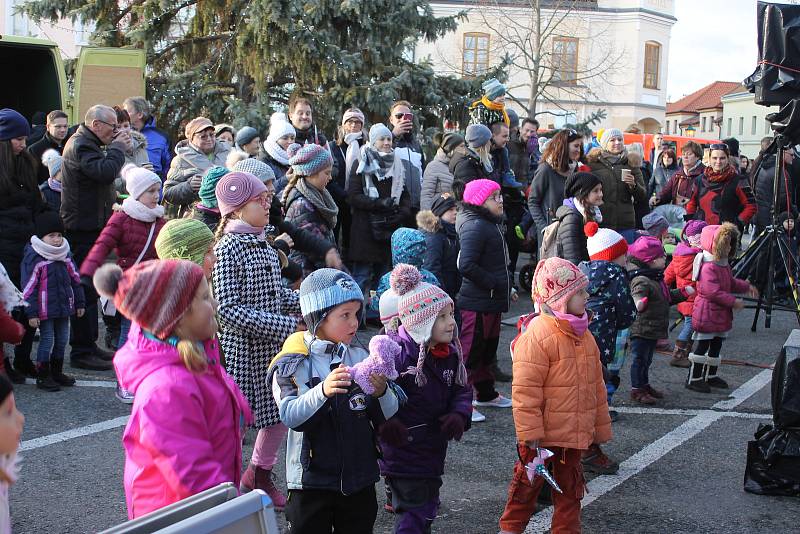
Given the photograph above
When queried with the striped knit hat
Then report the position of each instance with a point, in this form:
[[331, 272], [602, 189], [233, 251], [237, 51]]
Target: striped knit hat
[[603, 243], [323, 290], [308, 160], [184, 239], [173, 281]]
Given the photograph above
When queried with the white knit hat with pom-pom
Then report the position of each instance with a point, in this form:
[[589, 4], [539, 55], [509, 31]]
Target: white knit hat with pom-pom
[[279, 126], [53, 161], [138, 179], [603, 243]]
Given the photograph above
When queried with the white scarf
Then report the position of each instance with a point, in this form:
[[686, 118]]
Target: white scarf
[[700, 259], [277, 153], [353, 154], [10, 296], [49, 252], [140, 212], [598, 217]]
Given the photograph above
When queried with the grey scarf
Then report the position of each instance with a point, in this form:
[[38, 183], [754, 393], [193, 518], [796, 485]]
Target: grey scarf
[[382, 166], [322, 200], [614, 159]]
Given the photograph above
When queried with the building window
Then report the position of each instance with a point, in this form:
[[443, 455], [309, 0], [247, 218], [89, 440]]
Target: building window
[[703, 128], [741, 125], [652, 64], [475, 55], [766, 127], [730, 126], [565, 60]]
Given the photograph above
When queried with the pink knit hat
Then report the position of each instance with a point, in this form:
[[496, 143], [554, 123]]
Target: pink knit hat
[[555, 281], [647, 249], [236, 189], [692, 232], [477, 191]]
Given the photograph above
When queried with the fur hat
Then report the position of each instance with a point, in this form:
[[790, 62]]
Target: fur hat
[[236, 189], [383, 353], [323, 290], [138, 180], [53, 161], [603, 243], [174, 281], [555, 281], [308, 160], [208, 186], [477, 191], [184, 239], [646, 249]]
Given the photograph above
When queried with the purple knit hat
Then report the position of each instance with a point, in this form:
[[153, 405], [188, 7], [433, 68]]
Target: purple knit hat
[[477, 191], [308, 160], [691, 232], [646, 249], [236, 189]]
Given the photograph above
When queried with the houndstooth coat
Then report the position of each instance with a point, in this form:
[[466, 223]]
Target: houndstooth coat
[[254, 314]]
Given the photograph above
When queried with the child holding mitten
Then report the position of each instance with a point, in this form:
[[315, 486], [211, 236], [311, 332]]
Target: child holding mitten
[[712, 316], [433, 376], [331, 457]]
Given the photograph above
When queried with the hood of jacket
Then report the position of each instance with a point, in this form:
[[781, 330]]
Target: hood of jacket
[[725, 237], [683, 249], [408, 246], [428, 222], [187, 151], [442, 157], [595, 155], [601, 274], [138, 140]]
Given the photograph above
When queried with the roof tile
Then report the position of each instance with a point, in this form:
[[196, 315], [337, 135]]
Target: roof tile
[[706, 98]]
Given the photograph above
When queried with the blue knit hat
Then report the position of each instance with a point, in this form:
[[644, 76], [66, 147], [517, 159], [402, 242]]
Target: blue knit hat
[[377, 132], [13, 125], [323, 290], [493, 88], [477, 135], [307, 160]]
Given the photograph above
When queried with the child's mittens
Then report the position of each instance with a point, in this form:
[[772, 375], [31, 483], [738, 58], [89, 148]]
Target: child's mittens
[[452, 426], [393, 432], [383, 352], [641, 304]]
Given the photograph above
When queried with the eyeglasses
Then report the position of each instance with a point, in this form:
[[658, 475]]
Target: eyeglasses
[[114, 126], [205, 135], [497, 197], [265, 201]]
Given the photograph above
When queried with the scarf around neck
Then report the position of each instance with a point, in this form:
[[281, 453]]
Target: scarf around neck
[[49, 252], [715, 177], [575, 203], [321, 200], [579, 324], [613, 159], [382, 166], [140, 212], [494, 107], [238, 226], [277, 153], [352, 154], [55, 185]]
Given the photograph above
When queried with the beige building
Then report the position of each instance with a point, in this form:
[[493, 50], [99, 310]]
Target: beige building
[[744, 120], [68, 36], [609, 54], [700, 113]]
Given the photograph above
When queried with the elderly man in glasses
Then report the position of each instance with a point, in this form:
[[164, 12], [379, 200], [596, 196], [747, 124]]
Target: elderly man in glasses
[[93, 157], [193, 157]]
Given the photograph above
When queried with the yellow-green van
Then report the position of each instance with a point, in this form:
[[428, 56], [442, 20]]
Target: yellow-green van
[[35, 79]]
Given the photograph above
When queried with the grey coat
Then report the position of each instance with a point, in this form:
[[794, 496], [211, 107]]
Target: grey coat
[[546, 195], [179, 195], [436, 180]]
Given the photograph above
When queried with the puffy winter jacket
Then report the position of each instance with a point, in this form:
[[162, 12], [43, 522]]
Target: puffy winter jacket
[[51, 198], [138, 155], [730, 200], [436, 180], [679, 274], [159, 147], [208, 216], [486, 284], [125, 236], [546, 195], [570, 237], [18, 211], [52, 288], [466, 167], [441, 251], [179, 195], [653, 321], [184, 434], [302, 213], [424, 453], [618, 207], [610, 303], [713, 305], [558, 393]]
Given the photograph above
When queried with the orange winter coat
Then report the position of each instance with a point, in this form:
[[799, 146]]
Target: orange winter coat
[[558, 392]]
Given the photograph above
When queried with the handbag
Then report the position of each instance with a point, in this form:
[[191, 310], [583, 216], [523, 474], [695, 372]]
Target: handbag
[[107, 304]]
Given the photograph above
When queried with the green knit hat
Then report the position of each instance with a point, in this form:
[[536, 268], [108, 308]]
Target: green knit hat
[[209, 184], [184, 239]]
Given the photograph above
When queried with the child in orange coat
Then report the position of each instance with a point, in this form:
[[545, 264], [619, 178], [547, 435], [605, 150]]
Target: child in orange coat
[[559, 397]]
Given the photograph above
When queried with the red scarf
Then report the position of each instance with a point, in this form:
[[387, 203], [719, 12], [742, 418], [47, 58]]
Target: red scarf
[[440, 350], [719, 177]]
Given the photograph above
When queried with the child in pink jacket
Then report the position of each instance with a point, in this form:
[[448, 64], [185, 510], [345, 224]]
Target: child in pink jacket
[[712, 316], [184, 434]]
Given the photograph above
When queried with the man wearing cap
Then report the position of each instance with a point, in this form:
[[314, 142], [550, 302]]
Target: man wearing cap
[[93, 158], [199, 152]]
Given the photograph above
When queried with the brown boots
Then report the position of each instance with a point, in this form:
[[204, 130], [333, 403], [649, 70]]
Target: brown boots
[[680, 356]]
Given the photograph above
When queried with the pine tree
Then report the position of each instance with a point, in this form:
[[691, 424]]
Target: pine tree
[[240, 60]]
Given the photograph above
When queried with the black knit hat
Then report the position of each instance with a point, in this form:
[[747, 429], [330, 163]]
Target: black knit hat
[[451, 141], [48, 222], [6, 388], [580, 183], [442, 205]]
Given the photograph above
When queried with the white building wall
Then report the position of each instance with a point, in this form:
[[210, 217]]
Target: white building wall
[[68, 36], [746, 120]]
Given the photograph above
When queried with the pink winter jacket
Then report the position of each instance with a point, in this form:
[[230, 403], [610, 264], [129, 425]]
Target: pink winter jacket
[[185, 430], [713, 305], [127, 237]]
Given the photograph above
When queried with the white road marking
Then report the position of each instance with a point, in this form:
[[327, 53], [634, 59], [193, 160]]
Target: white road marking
[[87, 430], [686, 412], [83, 383], [662, 446]]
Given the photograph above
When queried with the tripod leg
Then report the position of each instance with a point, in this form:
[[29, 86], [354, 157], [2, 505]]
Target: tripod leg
[[788, 256], [745, 262]]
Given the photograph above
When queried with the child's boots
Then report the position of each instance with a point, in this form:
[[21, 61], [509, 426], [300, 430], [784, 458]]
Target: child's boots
[[259, 478], [44, 379], [698, 373], [57, 372], [680, 355]]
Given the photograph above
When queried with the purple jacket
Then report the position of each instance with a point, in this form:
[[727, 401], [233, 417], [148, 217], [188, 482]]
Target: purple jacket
[[424, 455], [713, 305]]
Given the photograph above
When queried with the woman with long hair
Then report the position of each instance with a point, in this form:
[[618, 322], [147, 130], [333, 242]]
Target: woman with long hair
[[560, 159], [584, 196], [666, 166], [20, 202]]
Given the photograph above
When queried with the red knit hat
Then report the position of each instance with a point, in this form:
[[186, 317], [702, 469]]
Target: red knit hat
[[604, 243], [153, 293]]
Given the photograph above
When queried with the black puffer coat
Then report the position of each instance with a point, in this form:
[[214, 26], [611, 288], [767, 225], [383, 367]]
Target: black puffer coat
[[762, 187], [486, 285], [18, 210], [441, 251], [570, 238], [466, 167]]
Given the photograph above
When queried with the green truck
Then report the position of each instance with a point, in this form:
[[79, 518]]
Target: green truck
[[35, 79]]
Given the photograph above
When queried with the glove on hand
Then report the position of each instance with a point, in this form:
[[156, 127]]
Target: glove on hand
[[452, 425], [394, 433]]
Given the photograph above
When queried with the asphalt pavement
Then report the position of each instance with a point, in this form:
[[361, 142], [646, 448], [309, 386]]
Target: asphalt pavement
[[682, 461]]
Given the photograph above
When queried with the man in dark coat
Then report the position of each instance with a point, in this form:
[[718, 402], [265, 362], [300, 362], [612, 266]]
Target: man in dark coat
[[54, 137], [93, 158]]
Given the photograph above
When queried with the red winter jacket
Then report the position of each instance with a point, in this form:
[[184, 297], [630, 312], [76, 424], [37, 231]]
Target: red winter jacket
[[127, 237], [679, 274], [10, 330], [729, 199], [713, 305]]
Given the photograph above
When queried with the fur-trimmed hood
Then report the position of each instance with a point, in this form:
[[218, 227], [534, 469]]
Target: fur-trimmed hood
[[596, 155], [428, 222], [719, 240]]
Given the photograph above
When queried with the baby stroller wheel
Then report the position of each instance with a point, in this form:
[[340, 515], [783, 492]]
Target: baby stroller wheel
[[526, 277]]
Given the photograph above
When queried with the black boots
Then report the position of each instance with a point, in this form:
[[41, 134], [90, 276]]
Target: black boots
[[44, 379], [13, 374], [24, 366], [57, 373], [697, 374]]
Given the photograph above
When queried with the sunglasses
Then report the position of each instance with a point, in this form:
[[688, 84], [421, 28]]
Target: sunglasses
[[718, 146], [399, 116]]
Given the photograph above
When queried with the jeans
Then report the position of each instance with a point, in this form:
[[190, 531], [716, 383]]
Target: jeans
[[124, 328], [642, 351], [686, 330], [53, 339]]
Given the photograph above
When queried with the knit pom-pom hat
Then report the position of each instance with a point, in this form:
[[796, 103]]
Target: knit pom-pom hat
[[53, 161], [138, 179], [646, 249], [387, 308], [279, 126], [692, 232], [555, 281], [383, 352], [604, 243], [477, 191], [236, 189], [134, 292], [609, 134], [184, 239], [257, 168], [493, 88], [308, 160]]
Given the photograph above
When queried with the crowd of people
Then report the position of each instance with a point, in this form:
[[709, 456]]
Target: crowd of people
[[266, 258]]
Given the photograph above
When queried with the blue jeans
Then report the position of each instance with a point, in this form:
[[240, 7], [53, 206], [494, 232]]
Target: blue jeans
[[367, 274], [53, 339], [686, 330], [642, 351], [124, 328]]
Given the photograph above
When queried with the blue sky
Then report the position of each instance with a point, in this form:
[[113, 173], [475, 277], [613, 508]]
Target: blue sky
[[712, 40]]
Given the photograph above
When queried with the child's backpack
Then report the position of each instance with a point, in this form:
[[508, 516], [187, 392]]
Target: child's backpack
[[522, 326], [549, 245]]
